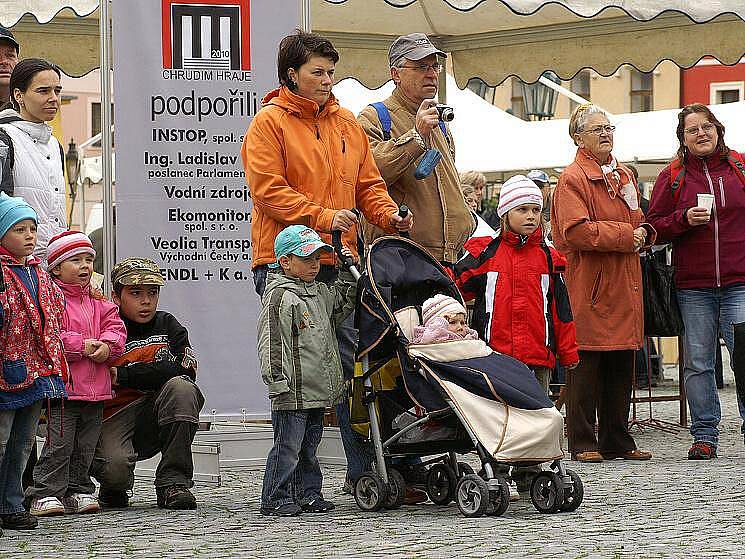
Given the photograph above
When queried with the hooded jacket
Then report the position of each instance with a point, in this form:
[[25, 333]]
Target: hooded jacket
[[87, 317], [712, 254], [442, 221], [298, 351], [515, 290], [36, 174], [594, 229], [303, 164], [31, 314]]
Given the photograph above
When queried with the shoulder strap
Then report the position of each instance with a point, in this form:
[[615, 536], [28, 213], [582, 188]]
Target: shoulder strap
[[677, 173], [62, 158], [737, 162], [384, 116], [6, 139]]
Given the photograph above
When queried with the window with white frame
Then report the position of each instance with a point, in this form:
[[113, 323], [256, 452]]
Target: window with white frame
[[726, 92]]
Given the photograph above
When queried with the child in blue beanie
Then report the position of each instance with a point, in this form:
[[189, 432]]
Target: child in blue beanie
[[33, 359]]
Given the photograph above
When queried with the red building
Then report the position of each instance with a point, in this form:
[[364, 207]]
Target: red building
[[710, 82]]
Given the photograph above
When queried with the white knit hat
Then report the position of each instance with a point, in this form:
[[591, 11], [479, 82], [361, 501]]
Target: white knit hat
[[516, 191], [440, 305]]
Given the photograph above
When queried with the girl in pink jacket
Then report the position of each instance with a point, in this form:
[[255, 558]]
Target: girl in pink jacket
[[93, 335]]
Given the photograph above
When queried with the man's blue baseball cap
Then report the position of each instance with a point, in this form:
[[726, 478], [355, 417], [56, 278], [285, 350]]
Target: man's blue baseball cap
[[298, 240], [539, 176]]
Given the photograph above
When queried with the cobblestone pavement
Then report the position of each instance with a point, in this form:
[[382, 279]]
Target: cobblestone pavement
[[668, 507]]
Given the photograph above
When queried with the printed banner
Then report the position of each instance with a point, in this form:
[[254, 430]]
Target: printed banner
[[189, 75]]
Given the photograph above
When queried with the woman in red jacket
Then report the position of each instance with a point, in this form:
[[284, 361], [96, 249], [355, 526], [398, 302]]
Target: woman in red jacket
[[698, 203]]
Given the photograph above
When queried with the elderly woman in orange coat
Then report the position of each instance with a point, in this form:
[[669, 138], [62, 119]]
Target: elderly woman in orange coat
[[598, 225]]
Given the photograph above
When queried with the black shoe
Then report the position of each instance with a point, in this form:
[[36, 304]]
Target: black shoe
[[175, 497], [319, 505], [289, 509], [111, 499], [19, 521]]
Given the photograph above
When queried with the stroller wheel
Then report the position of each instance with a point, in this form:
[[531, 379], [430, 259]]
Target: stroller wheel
[[396, 489], [441, 480], [472, 495], [370, 492], [547, 492], [499, 500], [464, 469], [573, 494]]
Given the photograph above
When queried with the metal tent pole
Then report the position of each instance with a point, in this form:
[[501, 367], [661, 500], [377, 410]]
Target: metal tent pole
[[305, 15], [106, 144]]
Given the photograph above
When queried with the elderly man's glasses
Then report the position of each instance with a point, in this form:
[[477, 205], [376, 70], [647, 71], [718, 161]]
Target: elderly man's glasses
[[424, 68], [599, 130], [706, 127]]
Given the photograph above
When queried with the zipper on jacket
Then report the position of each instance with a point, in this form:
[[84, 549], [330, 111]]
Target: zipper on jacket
[[714, 213], [721, 192], [91, 364], [344, 145], [318, 132]]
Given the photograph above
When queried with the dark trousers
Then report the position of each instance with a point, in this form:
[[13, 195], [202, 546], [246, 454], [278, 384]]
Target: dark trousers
[[600, 384], [72, 436], [163, 421], [293, 474]]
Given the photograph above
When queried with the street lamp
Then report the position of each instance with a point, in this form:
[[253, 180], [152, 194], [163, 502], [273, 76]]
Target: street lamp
[[539, 100], [72, 164]]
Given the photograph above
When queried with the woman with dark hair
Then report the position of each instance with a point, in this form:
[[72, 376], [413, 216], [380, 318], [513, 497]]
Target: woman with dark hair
[[308, 162], [698, 203], [599, 226], [31, 158]]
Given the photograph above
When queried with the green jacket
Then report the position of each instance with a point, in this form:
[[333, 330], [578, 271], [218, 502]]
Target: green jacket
[[298, 351]]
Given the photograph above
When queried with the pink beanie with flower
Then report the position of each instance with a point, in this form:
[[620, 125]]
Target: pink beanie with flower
[[440, 305]]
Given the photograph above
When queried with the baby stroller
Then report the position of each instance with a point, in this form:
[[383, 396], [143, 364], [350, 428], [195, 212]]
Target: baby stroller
[[492, 403]]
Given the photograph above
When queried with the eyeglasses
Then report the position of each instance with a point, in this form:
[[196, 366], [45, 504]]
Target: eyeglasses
[[598, 130], [424, 68], [707, 128]]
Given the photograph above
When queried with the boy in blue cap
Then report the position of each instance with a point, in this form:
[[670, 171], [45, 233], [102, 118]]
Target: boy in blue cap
[[33, 359], [300, 364]]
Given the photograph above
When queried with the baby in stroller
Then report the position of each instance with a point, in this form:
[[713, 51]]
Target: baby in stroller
[[443, 320]]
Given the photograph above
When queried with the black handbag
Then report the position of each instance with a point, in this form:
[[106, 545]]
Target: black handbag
[[661, 312]]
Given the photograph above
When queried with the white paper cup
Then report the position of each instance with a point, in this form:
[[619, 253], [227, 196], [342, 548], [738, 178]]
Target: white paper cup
[[706, 201]]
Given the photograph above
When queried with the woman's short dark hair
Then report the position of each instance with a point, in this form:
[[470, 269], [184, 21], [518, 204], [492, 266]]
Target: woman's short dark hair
[[296, 49], [23, 74], [680, 130]]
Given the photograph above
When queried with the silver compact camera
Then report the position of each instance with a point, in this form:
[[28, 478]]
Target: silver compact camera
[[445, 112]]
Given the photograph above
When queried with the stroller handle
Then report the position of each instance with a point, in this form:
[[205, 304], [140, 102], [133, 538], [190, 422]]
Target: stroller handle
[[338, 246], [403, 211]]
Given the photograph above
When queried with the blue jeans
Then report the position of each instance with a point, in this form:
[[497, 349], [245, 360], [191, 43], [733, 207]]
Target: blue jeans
[[359, 454], [293, 474], [17, 432], [706, 312]]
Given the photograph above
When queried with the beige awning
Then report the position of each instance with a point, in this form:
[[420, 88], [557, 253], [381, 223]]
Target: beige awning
[[488, 39], [43, 10]]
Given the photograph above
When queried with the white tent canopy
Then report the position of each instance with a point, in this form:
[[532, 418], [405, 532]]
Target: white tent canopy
[[488, 139], [490, 39], [493, 40]]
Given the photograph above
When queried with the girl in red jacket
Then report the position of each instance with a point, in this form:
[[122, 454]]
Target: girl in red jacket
[[93, 335], [521, 304]]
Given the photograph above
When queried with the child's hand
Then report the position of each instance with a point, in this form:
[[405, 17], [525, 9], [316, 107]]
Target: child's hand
[[89, 346], [101, 353], [348, 253], [572, 366], [112, 372]]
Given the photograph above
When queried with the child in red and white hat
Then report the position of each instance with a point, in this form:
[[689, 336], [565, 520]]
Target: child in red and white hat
[[93, 336]]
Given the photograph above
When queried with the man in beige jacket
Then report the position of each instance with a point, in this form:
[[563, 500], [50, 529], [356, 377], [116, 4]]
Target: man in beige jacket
[[443, 220]]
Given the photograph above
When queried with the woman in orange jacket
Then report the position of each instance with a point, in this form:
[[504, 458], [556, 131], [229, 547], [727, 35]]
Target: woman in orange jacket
[[598, 225], [308, 162]]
